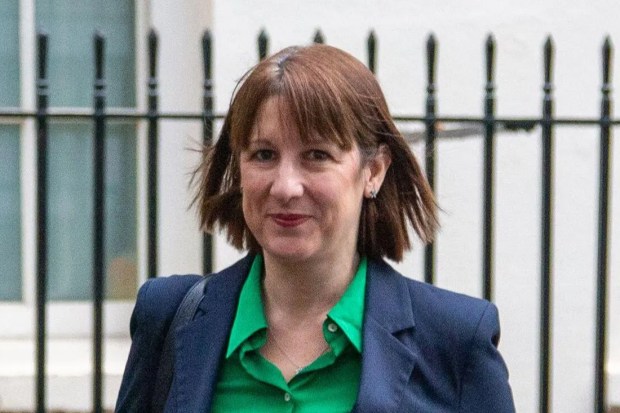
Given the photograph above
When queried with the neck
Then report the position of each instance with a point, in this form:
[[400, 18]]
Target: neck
[[299, 290]]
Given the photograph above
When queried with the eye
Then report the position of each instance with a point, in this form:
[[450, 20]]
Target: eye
[[318, 155], [263, 155]]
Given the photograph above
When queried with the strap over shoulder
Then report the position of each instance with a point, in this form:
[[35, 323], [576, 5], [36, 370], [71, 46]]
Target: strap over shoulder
[[184, 314]]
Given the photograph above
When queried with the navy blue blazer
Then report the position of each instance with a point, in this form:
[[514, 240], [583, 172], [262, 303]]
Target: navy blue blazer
[[424, 349]]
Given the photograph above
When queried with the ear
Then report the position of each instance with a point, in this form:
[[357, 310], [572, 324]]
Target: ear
[[376, 168]]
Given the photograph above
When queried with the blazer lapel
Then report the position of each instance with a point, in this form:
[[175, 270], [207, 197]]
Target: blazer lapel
[[388, 358], [201, 344]]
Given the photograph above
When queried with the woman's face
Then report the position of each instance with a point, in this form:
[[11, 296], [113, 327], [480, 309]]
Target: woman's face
[[301, 201]]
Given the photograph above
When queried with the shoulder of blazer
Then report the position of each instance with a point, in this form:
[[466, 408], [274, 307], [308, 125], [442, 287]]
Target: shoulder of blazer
[[447, 319], [426, 300], [158, 300], [156, 305], [444, 306], [452, 337]]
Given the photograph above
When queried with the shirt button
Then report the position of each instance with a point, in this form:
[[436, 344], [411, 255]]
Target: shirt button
[[287, 397], [332, 328]]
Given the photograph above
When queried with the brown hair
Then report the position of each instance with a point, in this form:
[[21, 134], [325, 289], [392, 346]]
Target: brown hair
[[333, 95]]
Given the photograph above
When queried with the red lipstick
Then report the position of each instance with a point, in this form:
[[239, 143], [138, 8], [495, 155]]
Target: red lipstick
[[289, 220]]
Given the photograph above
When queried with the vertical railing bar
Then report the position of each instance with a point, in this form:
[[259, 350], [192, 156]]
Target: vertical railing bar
[[152, 156], [431, 56], [546, 228], [99, 218], [371, 45], [318, 38], [42, 133], [489, 165], [600, 402], [263, 44], [207, 134]]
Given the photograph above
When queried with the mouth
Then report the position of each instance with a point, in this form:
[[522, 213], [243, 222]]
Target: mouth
[[289, 220]]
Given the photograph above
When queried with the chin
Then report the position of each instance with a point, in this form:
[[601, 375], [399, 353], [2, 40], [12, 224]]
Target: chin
[[290, 252]]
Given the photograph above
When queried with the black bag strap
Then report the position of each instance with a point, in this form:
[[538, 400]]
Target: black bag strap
[[184, 314]]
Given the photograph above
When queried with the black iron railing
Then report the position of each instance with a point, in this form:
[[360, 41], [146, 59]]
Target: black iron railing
[[489, 124]]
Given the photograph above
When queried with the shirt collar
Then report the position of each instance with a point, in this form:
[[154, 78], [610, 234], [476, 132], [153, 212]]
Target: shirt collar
[[250, 317], [348, 312]]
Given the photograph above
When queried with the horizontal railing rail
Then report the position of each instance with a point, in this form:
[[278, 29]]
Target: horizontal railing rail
[[509, 123]]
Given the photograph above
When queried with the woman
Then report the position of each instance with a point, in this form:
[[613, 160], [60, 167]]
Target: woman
[[312, 177]]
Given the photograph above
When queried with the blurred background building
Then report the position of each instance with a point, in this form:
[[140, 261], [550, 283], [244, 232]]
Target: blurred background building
[[578, 29]]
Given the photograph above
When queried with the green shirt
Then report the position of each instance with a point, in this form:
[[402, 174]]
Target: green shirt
[[250, 383]]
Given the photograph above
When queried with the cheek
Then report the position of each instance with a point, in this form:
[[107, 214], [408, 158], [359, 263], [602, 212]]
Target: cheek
[[248, 179], [253, 185], [247, 185], [243, 175], [341, 197], [254, 190]]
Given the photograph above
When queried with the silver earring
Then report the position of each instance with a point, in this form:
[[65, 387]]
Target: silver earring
[[373, 194]]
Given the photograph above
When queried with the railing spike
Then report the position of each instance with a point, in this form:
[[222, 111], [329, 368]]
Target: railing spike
[[42, 41], [490, 57], [548, 58], [607, 52], [372, 51], [206, 53], [318, 37], [99, 51], [263, 44], [431, 53], [152, 42]]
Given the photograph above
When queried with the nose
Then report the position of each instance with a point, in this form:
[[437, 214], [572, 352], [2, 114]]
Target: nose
[[287, 182]]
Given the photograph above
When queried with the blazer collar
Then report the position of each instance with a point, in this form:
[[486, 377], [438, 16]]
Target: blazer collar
[[387, 356]]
